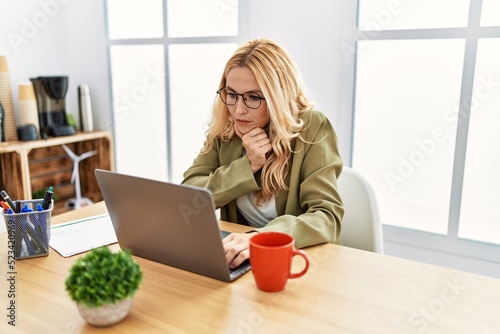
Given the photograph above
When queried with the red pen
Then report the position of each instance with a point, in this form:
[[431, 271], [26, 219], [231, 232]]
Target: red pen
[[6, 197], [5, 206]]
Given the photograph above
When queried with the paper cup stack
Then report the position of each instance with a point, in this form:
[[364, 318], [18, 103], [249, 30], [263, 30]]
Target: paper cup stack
[[28, 112], [7, 103]]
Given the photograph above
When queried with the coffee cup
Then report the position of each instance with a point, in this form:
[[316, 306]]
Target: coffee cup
[[271, 255]]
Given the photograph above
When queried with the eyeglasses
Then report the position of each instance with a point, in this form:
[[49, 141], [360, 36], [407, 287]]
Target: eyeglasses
[[251, 99]]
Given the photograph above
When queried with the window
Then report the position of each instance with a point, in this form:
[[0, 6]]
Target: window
[[166, 58], [406, 105], [202, 18], [193, 79], [375, 15], [427, 119], [480, 212], [489, 13], [138, 86], [128, 19]]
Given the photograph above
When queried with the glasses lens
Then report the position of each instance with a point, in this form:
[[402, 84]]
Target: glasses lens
[[228, 97], [252, 100]]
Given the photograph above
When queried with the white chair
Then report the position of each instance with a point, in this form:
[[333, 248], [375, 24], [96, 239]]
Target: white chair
[[361, 226]]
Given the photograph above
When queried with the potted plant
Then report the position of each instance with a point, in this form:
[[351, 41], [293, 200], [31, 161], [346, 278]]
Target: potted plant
[[103, 283]]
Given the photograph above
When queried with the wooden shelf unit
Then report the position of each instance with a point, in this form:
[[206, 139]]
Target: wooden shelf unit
[[36, 165]]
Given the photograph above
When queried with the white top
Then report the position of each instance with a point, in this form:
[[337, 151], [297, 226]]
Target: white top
[[256, 216]]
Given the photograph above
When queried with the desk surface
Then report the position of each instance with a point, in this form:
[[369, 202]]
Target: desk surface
[[345, 290]]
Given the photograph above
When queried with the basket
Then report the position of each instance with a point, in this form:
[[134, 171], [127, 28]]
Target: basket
[[29, 230]]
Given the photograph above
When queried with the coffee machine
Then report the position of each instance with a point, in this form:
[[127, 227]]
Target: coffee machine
[[50, 95]]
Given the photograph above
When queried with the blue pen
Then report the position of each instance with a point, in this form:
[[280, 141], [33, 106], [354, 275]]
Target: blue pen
[[26, 239], [39, 227], [38, 237], [35, 238], [26, 208], [41, 224]]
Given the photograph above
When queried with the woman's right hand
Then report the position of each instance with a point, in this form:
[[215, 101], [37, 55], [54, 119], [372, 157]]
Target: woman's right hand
[[257, 144], [237, 248]]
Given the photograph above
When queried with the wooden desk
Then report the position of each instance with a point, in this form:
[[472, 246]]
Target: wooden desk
[[345, 291]]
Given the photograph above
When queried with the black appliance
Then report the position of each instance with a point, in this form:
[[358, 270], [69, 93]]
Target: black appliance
[[50, 95]]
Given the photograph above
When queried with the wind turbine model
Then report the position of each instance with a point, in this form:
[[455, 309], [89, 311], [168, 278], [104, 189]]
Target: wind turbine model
[[76, 203]]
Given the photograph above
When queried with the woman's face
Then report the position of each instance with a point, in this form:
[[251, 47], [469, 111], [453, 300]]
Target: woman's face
[[241, 80]]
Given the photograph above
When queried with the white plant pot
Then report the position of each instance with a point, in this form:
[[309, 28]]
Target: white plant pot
[[106, 315]]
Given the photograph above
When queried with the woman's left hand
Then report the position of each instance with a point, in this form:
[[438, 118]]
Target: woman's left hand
[[237, 248]]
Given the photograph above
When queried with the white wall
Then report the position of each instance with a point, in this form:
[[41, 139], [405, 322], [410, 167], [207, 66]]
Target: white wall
[[58, 37], [312, 31]]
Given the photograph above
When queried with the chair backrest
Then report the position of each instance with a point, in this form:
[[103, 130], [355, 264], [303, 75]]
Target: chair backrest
[[361, 226]]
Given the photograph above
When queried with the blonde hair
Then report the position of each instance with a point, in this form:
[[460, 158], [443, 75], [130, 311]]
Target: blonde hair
[[283, 88]]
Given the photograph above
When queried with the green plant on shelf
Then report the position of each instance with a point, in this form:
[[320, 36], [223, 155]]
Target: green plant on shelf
[[40, 193], [102, 277]]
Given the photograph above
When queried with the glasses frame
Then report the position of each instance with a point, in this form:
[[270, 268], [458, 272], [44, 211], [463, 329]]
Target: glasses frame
[[242, 97]]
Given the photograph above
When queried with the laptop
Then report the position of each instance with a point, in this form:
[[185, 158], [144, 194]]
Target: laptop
[[173, 224]]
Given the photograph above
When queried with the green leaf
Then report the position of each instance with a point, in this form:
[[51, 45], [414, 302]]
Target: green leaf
[[103, 277]]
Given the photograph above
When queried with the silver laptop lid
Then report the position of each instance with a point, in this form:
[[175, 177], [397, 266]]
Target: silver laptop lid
[[165, 222]]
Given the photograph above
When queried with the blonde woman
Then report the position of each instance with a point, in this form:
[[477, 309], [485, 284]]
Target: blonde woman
[[270, 160]]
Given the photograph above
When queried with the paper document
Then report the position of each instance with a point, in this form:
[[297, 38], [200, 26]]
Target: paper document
[[81, 235]]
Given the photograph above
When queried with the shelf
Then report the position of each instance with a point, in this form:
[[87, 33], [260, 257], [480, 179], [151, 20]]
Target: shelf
[[36, 165]]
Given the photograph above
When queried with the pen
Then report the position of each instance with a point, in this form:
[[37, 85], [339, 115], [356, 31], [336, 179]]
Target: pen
[[5, 206], [47, 198], [26, 208], [29, 245], [41, 224], [31, 234], [8, 200]]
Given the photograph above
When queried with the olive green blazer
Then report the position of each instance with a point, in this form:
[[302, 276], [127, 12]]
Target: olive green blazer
[[311, 211]]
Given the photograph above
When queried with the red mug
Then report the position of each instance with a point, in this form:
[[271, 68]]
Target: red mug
[[271, 256]]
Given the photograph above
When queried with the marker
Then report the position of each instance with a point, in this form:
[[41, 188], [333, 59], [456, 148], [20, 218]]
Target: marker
[[37, 241], [29, 243], [5, 206], [40, 222], [47, 199], [8, 200], [26, 208]]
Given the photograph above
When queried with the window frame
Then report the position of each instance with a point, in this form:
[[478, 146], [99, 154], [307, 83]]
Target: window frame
[[449, 243], [243, 33]]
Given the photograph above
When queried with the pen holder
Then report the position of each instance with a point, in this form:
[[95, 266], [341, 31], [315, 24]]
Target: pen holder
[[29, 230]]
